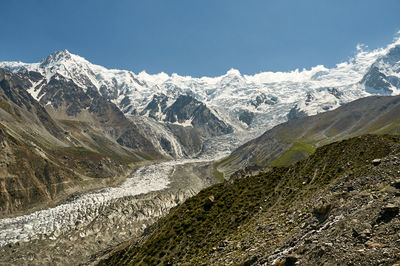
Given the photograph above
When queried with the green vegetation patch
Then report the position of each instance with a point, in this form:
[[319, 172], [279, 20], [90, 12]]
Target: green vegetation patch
[[297, 151], [81, 153], [219, 176], [389, 128]]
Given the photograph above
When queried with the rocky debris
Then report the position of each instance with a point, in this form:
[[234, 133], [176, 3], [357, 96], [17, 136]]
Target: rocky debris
[[361, 228], [396, 184], [291, 260], [247, 171], [321, 222], [208, 203]]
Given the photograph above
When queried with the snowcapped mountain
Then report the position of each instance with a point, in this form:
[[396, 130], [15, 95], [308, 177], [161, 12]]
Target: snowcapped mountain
[[245, 103]]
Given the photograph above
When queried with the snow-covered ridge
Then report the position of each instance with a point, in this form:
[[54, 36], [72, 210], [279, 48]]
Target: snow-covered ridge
[[268, 95]]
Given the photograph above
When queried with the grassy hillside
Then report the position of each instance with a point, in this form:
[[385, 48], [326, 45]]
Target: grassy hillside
[[296, 139], [250, 220]]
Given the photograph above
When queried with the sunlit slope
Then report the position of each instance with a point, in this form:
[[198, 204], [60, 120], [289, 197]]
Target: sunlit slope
[[287, 214]]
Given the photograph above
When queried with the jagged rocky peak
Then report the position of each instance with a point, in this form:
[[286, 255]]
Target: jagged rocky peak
[[246, 117], [334, 91], [187, 111], [66, 64]]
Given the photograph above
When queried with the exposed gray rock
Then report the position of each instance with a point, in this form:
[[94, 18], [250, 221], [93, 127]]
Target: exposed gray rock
[[296, 113], [246, 117], [376, 162], [376, 81], [156, 108]]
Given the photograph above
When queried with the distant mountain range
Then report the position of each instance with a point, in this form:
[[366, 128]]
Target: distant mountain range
[[235, 102]]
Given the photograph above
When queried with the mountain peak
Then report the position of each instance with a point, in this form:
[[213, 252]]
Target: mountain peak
[[65, 51], [61, 57], [233, 72], [56, 57]]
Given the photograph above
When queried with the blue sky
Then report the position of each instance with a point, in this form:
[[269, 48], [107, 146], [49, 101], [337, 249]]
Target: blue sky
[[197, 38]]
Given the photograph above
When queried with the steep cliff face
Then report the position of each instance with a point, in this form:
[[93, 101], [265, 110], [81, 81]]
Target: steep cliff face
[[18, 106], [28, 176], [192, 122], [338, 206], [65, 100], [191, 112]]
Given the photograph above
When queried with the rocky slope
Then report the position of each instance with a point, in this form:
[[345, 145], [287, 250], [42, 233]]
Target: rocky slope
[[340, 206], [44, 157]]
